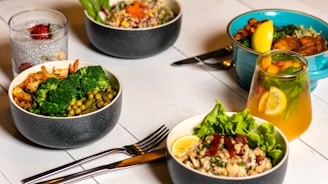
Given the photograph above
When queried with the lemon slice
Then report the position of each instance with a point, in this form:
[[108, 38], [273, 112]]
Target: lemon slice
[[273, 102], [262, 37], [184, 144]]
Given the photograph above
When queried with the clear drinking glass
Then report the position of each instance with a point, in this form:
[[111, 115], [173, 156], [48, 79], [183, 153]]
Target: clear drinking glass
[[280, 92], [29, 46]]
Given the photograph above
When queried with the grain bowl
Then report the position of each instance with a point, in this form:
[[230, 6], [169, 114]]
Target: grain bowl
[[134, 43], [65, 132], [245, 57], [186, 172]]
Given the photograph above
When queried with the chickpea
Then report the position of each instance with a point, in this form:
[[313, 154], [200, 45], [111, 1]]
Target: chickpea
[[82, 107], [79, 102], [95, 91], [90, 96], [105, 104], [100, 104], [108, 89], [72, 103], [98, 96], [247, 27], [252, 21], [71, 112], [78, 111]]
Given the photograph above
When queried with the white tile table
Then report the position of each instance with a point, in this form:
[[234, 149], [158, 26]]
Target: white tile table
[[156, 92]]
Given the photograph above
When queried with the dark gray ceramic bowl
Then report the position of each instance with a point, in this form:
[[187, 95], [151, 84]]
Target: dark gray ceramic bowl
[[134, 43], [180, 173], [65, 132], [245, 57]]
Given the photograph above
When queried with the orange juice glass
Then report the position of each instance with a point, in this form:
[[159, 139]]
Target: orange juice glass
[[280, 91]]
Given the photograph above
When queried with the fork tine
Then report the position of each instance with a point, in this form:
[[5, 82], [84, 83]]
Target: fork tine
[[149, 142], [154, 142], [150, 137]]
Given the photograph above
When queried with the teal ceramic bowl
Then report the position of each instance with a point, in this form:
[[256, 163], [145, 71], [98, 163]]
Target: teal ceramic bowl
[[244, 57]]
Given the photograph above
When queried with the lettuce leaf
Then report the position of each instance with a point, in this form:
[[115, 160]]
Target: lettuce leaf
[[218, 121], [241, 123]]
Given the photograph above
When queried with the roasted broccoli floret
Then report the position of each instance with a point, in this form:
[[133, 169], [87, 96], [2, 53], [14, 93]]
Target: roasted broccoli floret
[[54, 95]]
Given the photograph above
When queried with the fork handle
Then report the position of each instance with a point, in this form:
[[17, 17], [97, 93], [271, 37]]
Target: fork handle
[[77, 176], [56, 170]]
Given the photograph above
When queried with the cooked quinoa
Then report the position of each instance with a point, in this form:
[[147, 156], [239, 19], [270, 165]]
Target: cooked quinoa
[[226, 156], [139, 14], [302, 31]]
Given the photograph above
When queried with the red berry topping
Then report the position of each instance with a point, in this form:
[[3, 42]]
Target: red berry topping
[[40, 32], [24, 66]]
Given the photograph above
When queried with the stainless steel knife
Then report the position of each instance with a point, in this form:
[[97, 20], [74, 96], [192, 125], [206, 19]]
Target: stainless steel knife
[[216, 53], [141, 159]]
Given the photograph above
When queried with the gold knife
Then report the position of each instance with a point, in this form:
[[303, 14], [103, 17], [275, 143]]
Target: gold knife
[[141, 159]]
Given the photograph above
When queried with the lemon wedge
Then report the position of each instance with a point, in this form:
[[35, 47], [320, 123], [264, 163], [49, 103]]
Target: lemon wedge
[[263, 36], [273, 102], [184, 144]]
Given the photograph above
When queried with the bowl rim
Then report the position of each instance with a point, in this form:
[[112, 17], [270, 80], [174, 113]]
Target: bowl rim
[[270, 9], [195, 120], [176, 18], [52, 64]]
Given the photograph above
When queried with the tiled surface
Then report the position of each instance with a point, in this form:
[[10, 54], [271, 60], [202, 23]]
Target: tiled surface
[[157, 93]]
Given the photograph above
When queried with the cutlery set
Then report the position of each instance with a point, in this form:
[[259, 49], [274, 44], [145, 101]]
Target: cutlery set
[[140, 159], [144, 151]]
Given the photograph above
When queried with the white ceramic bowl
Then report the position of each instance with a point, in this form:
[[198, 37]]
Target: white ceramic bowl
[[180, 173]]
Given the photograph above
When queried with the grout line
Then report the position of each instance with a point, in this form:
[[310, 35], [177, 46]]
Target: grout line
[[308, 145], [3, 88]]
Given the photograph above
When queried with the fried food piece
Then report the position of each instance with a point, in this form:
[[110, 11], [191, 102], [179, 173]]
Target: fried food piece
[[311, 45], [287, 43], [305, 46]]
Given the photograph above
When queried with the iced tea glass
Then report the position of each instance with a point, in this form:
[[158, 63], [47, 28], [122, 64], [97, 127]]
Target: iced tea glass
[[37, 36], [280, 91]]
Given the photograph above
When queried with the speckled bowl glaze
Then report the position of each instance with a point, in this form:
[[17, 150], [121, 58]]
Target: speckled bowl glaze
[[245, 57], [181, 174], [65, 132], [134, 43]]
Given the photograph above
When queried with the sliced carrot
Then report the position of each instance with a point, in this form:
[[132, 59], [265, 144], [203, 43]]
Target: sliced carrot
[[136, 10], [74, 67]]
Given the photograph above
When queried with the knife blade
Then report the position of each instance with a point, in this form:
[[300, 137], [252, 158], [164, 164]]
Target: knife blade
[[220, 52], [141, 159]]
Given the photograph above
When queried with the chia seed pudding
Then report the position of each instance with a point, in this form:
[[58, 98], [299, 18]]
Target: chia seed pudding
[[27, 51]]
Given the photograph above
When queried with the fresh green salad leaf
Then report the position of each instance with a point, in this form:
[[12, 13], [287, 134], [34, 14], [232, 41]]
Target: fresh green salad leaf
[[93, 7], [218, 121], [244, 124]]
